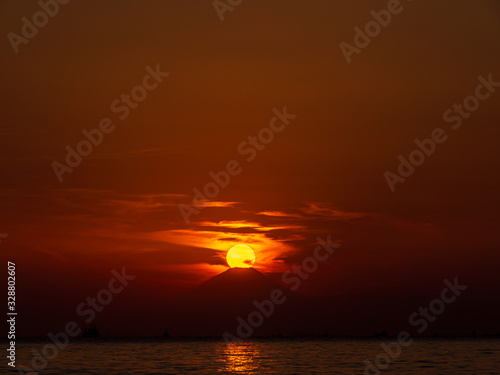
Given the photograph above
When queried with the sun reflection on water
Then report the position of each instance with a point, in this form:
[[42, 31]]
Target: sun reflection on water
[[240, 358]]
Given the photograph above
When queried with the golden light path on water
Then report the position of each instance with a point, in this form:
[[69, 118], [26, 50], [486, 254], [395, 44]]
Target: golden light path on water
[[276, 357], [241, 358]]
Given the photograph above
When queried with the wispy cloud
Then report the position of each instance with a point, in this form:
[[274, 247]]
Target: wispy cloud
[[239, 224], [279, 214], [219, 204], [230, 224], [326, 211], [267, 249]]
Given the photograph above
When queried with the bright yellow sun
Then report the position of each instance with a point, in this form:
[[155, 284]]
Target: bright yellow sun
[[241, 256]]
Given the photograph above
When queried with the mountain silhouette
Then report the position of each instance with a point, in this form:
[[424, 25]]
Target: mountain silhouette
[[213, 307], [239, 284], [219, 304]]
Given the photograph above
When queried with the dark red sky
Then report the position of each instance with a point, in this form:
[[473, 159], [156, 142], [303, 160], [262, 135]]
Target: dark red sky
[[322, 175]]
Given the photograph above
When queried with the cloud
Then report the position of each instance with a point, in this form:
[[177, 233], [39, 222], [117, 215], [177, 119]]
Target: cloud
[[267, 248], [279, 214], [243, 224], [219, 204], [324, 210]]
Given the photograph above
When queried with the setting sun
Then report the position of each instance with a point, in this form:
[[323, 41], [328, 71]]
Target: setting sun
[[241, 256]]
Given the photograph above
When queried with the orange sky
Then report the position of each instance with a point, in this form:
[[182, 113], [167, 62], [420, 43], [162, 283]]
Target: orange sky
[[322, 175]]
